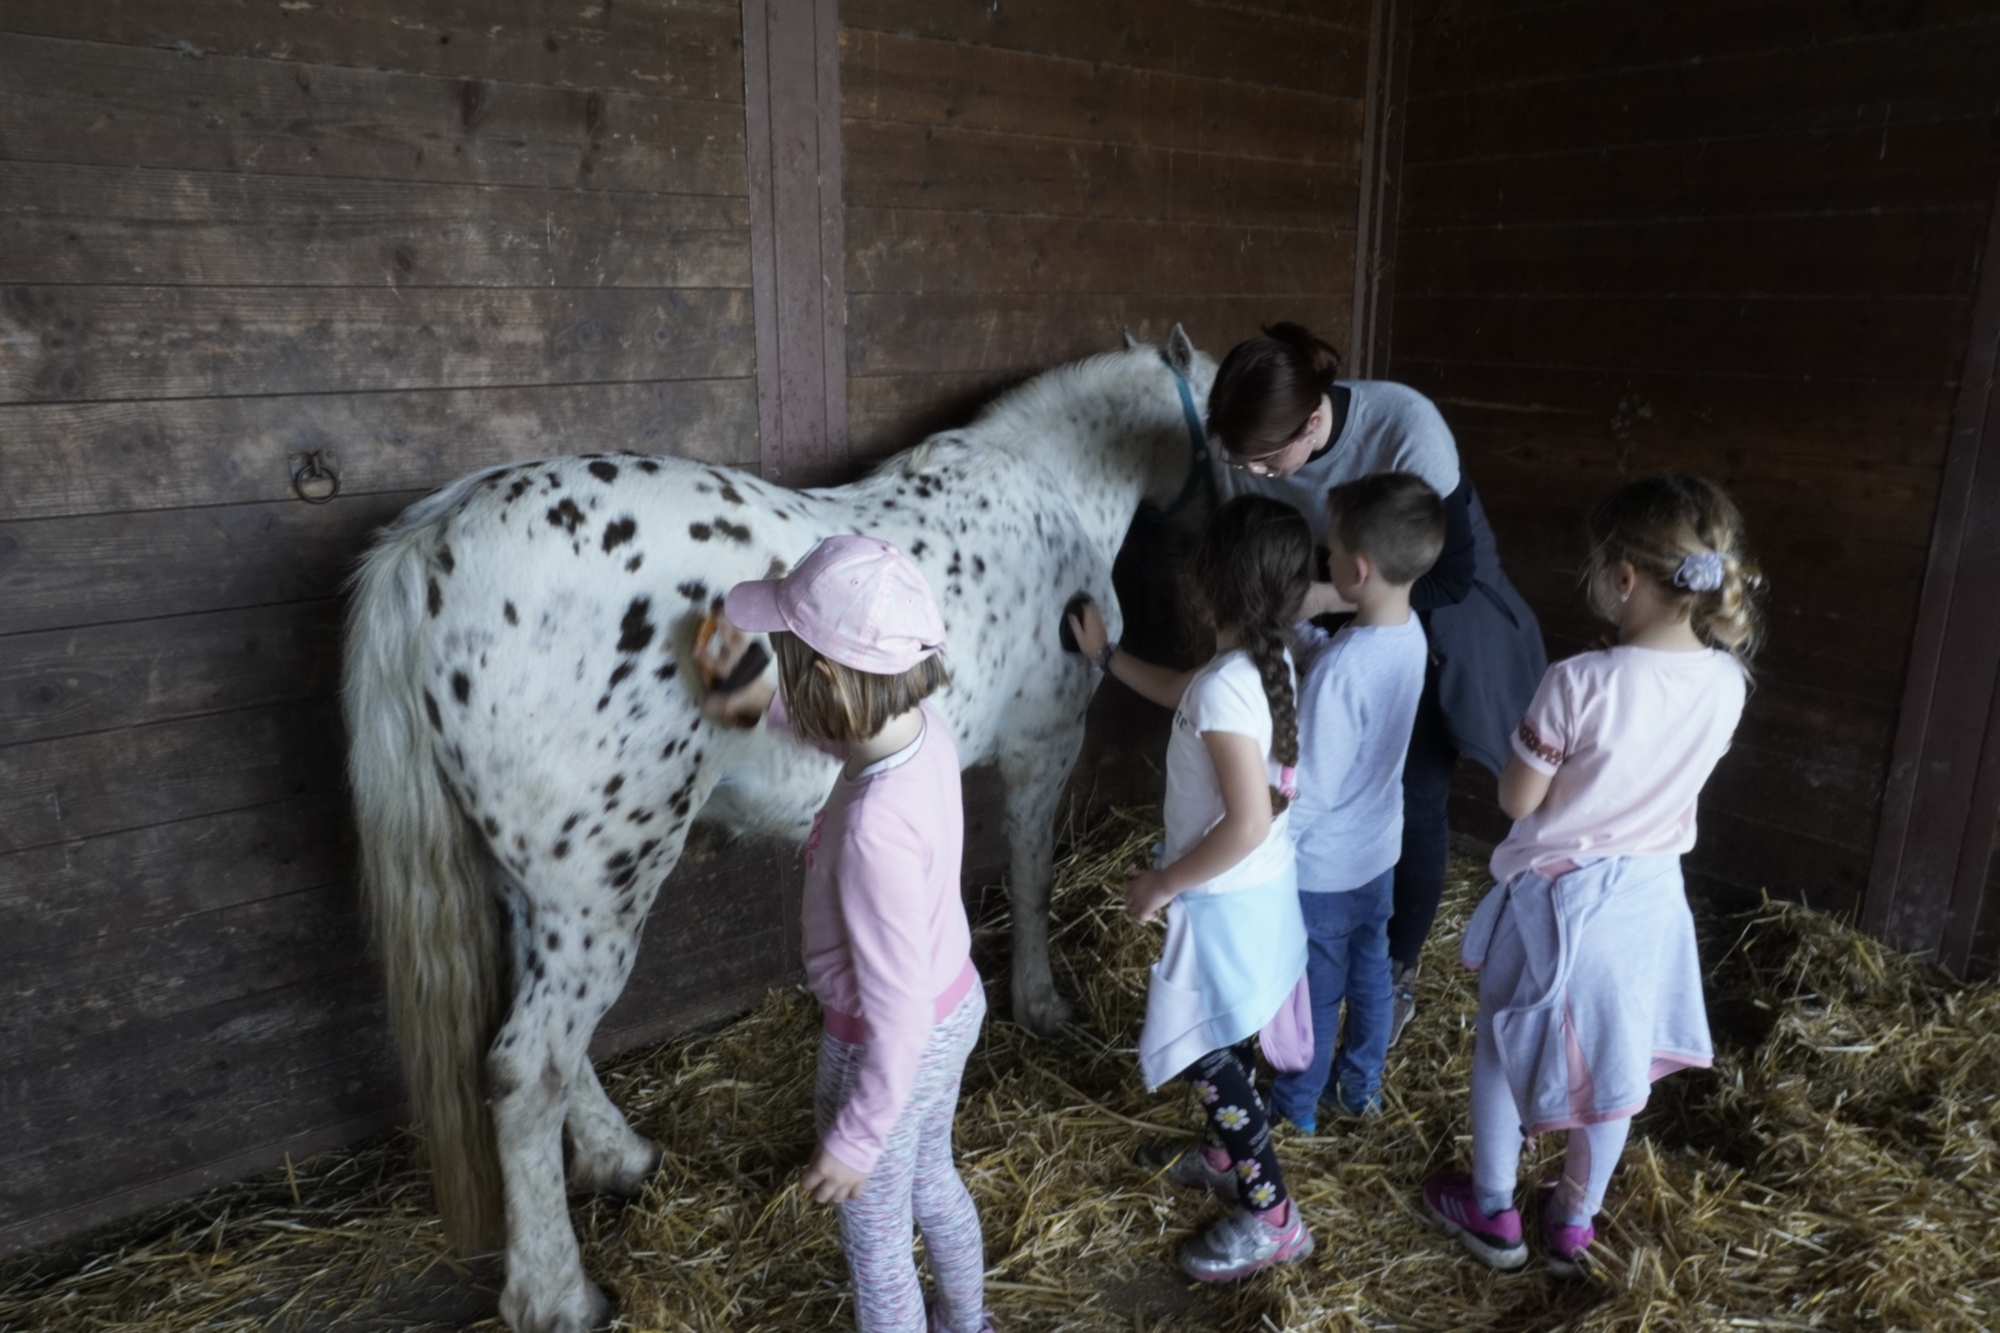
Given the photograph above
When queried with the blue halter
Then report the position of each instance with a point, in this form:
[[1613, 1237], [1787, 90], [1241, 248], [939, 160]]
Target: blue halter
[[1199, 476]]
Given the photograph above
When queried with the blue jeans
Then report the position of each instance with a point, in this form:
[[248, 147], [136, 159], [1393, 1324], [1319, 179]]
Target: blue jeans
[[1347, 960]]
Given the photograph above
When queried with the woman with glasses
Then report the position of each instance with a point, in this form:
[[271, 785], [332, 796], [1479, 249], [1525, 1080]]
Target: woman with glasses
[[1291, 430]]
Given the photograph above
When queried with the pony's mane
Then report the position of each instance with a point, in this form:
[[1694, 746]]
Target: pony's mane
[[984, 442], [1053, 388]]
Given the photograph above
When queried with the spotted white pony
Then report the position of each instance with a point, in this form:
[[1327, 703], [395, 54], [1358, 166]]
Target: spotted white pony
[[523, 733]]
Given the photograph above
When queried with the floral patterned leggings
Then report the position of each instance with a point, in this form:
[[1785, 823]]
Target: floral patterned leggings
[[1238, 1124]]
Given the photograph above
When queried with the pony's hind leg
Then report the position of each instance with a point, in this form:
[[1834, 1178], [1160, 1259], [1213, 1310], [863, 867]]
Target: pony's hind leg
[[607, 1156], [533, 1067]]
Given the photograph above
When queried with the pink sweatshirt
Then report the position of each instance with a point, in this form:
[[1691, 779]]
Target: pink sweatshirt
[[887, 947]]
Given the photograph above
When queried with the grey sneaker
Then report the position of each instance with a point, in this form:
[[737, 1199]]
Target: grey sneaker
[[1402, 998], [1186, 1167], [1339, 1108], [1243, 1243]]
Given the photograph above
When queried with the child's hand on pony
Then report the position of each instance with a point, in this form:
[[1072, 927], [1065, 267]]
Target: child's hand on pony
[[736, 688], [830, 1180], [732, 666], [1086, 626]]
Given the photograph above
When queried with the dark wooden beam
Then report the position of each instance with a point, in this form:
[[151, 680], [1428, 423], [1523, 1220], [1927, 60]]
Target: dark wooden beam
[[1381, 164], [1942, 797], [791, 106]]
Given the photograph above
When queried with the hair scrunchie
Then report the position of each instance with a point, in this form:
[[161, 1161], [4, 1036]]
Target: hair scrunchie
[[1700, 571]]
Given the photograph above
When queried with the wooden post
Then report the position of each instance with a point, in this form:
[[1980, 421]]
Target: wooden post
[[791, 106], [1381, 162], [1942, 798]]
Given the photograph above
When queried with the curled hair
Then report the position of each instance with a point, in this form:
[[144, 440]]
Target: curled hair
[[840, 705], [1266, 388], [1655, 523], [1251, 573]]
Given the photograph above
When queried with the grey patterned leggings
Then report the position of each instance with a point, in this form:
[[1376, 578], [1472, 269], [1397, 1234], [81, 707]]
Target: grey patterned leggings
[[913, 1180]]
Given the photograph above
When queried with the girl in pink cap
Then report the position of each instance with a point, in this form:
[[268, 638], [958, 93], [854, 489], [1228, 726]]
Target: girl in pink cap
[[857, 636]]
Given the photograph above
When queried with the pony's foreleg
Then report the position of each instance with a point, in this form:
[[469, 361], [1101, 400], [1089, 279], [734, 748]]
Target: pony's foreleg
[[1034, 776], [531, 1069]]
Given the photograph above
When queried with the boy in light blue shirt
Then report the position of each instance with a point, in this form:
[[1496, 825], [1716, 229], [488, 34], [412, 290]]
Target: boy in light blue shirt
[[1357, 702]]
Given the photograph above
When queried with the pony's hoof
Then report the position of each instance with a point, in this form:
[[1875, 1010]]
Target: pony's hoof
[[622, 1173], [583, 1308], [1042, 1014]]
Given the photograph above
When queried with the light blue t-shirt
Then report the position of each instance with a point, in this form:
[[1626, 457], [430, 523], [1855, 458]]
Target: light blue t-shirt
[[1357, 703]]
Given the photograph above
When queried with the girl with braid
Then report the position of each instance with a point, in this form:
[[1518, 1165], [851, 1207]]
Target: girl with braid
[[1236, 940], [1292, 429]]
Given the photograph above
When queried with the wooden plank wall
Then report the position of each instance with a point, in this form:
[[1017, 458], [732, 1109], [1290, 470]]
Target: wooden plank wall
[[423, 238], [1026, 180], [1734, 237]]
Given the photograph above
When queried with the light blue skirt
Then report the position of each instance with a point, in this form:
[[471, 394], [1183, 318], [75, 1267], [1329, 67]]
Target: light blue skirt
[[1230, 960]]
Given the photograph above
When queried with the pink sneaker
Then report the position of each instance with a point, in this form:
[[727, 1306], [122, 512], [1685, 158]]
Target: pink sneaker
[[1495, 1241], [1242, 1243], [1566, 1244]]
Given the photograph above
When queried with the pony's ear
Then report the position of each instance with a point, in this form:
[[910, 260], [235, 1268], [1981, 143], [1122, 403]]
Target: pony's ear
[[1132, 344], [1180, 350]]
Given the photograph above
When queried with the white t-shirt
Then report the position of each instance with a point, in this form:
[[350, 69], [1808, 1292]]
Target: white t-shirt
[[1629, 736], [1390, 428], [1225, 695]]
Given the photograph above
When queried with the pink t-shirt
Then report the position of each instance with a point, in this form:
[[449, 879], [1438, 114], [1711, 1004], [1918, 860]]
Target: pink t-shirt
[[1629, 736], [888, 951]]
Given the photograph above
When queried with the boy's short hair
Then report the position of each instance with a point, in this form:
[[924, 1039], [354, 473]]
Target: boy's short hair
[[842, 705], [1395, 519]]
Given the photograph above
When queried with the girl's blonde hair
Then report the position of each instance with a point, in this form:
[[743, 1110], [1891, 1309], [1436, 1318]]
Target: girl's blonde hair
[[840, 705], [1673, 528]]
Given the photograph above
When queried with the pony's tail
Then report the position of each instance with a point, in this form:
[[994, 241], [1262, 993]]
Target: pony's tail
[[427, 886]]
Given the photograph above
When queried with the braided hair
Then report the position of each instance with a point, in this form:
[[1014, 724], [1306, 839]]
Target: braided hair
[[1251, 573]]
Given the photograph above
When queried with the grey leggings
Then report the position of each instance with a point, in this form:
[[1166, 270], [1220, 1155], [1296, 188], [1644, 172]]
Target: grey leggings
[[914, 1181]]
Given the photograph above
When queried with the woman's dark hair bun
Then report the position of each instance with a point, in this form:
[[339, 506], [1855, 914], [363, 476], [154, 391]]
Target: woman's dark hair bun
[[1266, 388], [1320, 354]]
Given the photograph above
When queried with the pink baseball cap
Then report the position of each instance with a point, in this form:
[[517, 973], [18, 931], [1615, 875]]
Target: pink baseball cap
[[856, 600]]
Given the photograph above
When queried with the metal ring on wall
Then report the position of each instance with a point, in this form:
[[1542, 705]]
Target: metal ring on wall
[[315, 478]]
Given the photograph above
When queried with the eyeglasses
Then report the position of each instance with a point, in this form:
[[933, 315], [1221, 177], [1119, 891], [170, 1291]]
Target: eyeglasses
[[1260, 466]]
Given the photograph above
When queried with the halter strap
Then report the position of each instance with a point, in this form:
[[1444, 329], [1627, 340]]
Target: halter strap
[[1198, 472]]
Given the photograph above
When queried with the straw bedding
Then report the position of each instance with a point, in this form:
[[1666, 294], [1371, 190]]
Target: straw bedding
[[1837, 1170]]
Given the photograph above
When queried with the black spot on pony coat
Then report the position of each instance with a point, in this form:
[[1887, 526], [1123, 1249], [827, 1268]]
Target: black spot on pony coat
[[636, 629], [567, 516]]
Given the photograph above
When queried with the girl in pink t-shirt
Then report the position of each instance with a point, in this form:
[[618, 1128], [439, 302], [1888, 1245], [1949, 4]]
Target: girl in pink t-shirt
[[857, 636], [1589, 984]]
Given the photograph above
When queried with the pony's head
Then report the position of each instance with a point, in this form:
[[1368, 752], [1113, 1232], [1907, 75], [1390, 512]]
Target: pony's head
[[1181, 481]]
